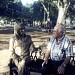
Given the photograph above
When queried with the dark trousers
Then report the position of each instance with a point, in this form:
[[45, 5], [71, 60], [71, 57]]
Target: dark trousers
[[24, 68], [12, 72], [52, 66]]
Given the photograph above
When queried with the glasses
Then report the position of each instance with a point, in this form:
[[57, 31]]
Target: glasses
[[22, 30], [54, 31]]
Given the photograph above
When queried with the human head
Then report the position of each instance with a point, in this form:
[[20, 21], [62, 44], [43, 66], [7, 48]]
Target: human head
[[58, 31], [19, 30]]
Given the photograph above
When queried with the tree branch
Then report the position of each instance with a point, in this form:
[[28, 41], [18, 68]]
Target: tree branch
[[44, 7]]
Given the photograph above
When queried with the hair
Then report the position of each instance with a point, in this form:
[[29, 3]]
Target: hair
[[17, 28], [61, 28]]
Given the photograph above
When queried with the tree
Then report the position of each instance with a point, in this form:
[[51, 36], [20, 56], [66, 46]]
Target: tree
[[61, 5], [62, 10], [46, 9], [50, 12], [10, 9], [71, 11]]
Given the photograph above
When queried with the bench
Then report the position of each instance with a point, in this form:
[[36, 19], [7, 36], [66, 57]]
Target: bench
[[36, 66], [37, 59], [36, 63]]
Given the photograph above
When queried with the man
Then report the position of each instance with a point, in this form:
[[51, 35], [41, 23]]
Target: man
[[60, 51], [19, 46]]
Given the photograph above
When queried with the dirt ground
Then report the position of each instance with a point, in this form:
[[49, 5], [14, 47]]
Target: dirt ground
[[4, 41], [38, 37]]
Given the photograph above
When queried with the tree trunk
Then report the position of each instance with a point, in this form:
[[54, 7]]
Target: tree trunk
[[46, 11], [62, 10]]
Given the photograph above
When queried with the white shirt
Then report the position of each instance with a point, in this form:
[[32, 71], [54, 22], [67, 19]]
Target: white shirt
[[60, 51]]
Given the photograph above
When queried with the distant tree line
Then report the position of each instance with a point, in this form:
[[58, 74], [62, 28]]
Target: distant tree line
[[44, 11]]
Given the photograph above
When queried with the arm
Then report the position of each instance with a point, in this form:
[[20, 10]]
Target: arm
[[69, 53], [12, 50], [66, 61], [47, 54], [61, 68], [32, 47]]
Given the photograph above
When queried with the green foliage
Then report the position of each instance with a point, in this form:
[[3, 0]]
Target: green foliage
[[71, 10], [16, 10], [37, 10], [10, 9]]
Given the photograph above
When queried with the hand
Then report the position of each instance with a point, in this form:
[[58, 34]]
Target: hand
[[61, 69], [21, 64], [45, 62]]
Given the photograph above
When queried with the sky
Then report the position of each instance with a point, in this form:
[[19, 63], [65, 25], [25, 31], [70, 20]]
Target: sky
[[24, 2]]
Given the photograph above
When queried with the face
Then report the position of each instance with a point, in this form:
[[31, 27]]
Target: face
[[20, 32], [56, 32]]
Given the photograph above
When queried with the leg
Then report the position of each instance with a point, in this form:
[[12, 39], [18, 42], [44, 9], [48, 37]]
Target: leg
[[15, 71], [49, 69], [27, 72], [46, 72], [11, 72], [24, 69], [70, 70]]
